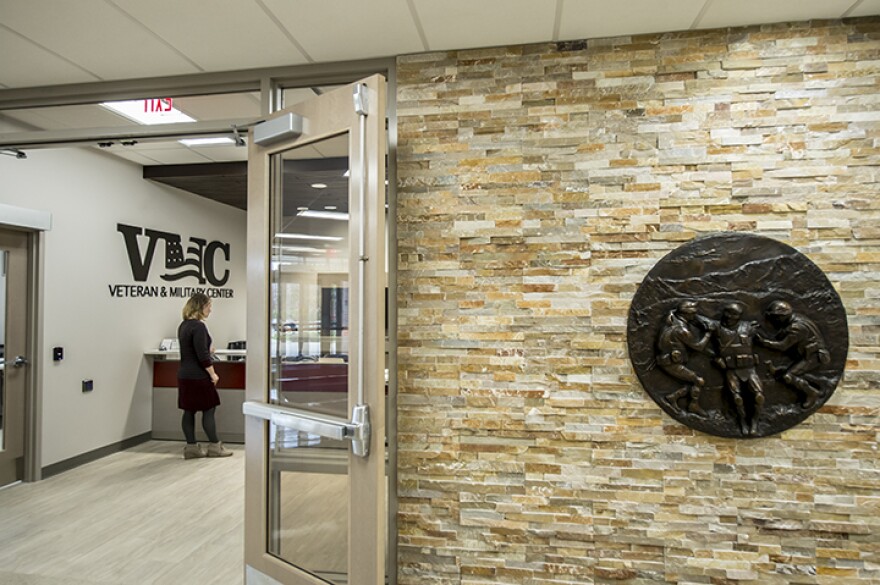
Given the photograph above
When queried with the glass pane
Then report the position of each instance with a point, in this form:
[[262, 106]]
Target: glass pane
[[152, 109], [146, 112], [309, 489], [295, 95], [4, 258]]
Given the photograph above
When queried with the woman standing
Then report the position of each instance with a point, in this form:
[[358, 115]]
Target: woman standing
[[196, 379]]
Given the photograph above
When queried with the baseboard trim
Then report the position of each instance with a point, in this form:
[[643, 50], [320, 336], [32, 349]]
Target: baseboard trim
[[74, 462]]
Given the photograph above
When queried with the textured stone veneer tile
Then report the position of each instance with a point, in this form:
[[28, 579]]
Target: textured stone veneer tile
[[537, 186]]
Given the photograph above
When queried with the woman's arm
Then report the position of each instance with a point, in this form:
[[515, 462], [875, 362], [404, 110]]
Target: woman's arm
[[203, 352], [214, 377]]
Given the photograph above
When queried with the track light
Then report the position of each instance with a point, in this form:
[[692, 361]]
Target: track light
[[239, 139], [20, 154]]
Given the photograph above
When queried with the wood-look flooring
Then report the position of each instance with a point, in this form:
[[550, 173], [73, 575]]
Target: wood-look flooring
[[144, 516], [314, 523]]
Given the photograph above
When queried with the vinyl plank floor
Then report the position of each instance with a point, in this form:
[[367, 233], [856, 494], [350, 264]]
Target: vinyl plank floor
[[144, 516], [314, 522]]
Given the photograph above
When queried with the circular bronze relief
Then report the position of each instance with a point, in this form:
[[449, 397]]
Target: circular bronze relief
[[737, 335]]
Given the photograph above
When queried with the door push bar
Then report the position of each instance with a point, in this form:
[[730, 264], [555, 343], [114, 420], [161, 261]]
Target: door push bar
[[357, 430]]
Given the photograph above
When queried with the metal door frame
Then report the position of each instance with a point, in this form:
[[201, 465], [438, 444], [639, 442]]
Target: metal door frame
[[322, 116], [269, 82], [32, 224]]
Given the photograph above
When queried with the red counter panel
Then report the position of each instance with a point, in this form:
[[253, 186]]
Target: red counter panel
[[232, 374], [301, 377]]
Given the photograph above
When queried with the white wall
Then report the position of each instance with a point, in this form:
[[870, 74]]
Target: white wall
[[104, 337]]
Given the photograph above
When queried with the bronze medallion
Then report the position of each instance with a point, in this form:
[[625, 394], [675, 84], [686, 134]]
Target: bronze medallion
[[737, 335]]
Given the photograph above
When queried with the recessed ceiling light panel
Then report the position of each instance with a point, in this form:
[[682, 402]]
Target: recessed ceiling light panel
[[137, 111], [212, 141], [309, 237]]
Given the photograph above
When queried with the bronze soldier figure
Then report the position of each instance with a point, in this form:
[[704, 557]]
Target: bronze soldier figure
[[798, 332], [676, 337], [736, 357]]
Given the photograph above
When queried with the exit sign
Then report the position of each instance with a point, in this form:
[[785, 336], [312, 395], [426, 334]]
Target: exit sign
[[149, 111], [158, 105]]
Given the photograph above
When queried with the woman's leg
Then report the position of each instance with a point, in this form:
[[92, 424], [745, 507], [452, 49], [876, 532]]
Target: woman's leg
[[210, 425], [189, 426], [216, 448]]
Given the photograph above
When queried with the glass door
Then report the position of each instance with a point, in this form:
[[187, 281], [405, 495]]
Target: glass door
[[316, 491], [14, 361]]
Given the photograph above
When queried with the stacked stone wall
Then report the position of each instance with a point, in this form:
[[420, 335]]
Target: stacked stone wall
[[537, 186]]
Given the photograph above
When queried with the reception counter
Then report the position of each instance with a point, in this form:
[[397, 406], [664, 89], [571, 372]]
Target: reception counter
[[166, 415], [318, 385]]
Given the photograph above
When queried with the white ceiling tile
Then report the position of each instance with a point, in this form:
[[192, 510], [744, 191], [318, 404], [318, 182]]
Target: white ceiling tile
[[25, 64], [8, 124], [116, 39], [65, 117], [608, 18], [333, 147], [231, 34], [165, 154], [297, 95], [349, 29], [31, 119], [222, 153], [463, 24], [220, 106], [725, 13], [216, 107], [302, 153], [96, 36], [149, 145], [129, 155], [866, 8]]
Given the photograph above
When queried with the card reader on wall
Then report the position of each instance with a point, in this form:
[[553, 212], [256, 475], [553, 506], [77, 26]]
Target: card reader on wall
[[284, 127]]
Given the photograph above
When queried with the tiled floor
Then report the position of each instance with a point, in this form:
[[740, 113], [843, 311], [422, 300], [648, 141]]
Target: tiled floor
[[144, 516]]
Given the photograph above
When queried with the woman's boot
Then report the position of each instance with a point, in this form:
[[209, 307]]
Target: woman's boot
[[218, 450]]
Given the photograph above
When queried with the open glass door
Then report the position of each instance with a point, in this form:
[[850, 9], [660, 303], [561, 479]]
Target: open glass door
[[316, 491]]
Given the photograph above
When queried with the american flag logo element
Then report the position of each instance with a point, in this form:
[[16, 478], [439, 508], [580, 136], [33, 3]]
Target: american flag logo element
[[178, 263]]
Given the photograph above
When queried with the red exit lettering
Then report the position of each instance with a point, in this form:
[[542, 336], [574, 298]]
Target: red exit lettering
[[158, 105]]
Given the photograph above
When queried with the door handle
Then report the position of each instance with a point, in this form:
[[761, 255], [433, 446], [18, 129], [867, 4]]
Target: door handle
[[20, 361], [357, 430]]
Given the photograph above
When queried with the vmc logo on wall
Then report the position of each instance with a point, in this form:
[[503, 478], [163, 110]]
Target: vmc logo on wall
[[201, 261]]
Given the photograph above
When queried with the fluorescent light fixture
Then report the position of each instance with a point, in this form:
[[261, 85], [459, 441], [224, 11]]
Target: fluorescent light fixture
[[276, 265], [337, 215], [207, 141], [135, 110], [309, 237], [300, 249], [319, 186]]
